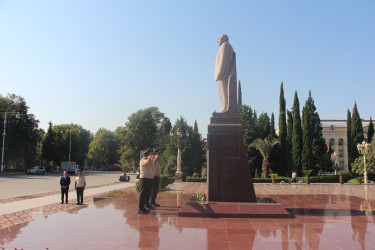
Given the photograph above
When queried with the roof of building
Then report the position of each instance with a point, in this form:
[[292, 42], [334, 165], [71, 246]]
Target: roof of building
[[340, 123]]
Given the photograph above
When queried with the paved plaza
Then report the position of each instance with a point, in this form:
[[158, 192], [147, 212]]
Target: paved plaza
[[323, 216]]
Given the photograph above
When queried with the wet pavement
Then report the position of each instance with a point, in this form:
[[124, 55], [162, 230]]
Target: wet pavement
[[323, 216]]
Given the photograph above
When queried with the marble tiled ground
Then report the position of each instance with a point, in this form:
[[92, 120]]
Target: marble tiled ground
[[323, 216]]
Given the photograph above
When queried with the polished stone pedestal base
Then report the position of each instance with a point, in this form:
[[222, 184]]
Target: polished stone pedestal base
[[232, 210], [229, 176]]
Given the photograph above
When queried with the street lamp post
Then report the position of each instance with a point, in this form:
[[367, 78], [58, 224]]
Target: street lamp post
[[4, 134], [334, 157], [70, 143], [179, 140], [364, 149]]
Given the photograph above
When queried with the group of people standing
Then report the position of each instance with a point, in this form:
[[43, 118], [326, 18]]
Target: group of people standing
[[149, 176], [80, 185]]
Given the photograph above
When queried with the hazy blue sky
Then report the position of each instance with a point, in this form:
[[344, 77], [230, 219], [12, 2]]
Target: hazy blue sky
[[96, 62]]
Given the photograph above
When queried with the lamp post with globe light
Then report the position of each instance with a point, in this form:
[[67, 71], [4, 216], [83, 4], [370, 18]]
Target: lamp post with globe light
[[334, 157], [364, 149], [179, 142]]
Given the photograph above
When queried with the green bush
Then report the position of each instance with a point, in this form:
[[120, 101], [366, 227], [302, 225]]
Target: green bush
[[274, 176], [313, 179], [325, 179], [165, 180], [196, 179], [278, 179], [138, 186]]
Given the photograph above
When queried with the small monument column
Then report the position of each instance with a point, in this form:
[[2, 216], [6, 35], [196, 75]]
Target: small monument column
[[229, 176]]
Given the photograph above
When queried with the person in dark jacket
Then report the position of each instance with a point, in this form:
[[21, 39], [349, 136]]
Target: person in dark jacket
[[64, 183]]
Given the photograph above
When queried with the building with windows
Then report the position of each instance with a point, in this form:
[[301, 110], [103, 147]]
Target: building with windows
[[335, 134]]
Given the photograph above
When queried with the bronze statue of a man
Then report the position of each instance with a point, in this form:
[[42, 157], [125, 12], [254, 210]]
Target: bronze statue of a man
[[226, 76]]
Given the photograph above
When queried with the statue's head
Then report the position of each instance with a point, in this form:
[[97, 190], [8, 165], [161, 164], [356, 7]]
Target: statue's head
[[222, 39]]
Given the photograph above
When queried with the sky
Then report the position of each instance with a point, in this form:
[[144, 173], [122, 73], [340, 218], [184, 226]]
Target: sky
[[94, 63]]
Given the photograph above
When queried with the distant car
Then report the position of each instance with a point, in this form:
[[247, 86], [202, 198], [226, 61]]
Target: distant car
[[36, 170]]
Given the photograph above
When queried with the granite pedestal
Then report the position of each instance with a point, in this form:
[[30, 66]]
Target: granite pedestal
[[229, 177]]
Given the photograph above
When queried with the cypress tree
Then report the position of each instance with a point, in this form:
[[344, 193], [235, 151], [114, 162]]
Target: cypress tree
[[283, 164], [272, 127], [349, 139], [307, 160], [370, 131], [297, 136], [319, 147], [356, 131], [289, 141], [239, 100], [198, 149], [263, 126]]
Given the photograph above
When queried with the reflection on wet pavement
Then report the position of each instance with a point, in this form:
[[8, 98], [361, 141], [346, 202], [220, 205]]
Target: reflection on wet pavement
[[321, 221]]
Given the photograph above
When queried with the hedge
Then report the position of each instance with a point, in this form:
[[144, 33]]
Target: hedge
[[313, 179], [165, 180], [269, 180], [190, 179]]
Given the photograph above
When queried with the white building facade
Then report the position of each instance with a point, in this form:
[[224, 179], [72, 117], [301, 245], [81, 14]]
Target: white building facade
[[335, 134]]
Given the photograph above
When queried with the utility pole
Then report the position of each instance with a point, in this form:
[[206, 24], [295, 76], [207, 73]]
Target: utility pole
[[4, 134]]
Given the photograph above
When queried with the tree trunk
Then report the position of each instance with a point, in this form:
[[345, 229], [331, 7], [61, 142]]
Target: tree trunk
[[307, 179], [265, 165], [341, 179]]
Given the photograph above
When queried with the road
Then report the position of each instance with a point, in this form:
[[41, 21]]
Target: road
[[15, 185]]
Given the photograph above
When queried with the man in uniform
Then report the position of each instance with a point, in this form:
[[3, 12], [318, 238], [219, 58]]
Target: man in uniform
[[146, 176], [155, 183]]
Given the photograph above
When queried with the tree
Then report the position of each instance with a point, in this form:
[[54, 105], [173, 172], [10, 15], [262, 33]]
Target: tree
[[103, 149], [23, 136], [319, 147], [372, 151], [239, 102], [297, 136], [263, 126], [289, 137], [264, 147], [307, 159], [272, 127], [192, 154], [283, 164], [356, 131], [199, 156], [171, 167], [163, 140], [248, 121], [358, 165], [49, 147], [64, 140], [141, 133], [370, 131], [350, 147]]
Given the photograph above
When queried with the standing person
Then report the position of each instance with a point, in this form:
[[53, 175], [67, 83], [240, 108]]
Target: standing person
[[64, 183], [80, 186], [146, 178], [156, 181], [294, 177]]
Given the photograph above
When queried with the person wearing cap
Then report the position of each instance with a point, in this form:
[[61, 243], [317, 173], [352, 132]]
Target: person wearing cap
[[146, 176], [80, 185], [156, 181]]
